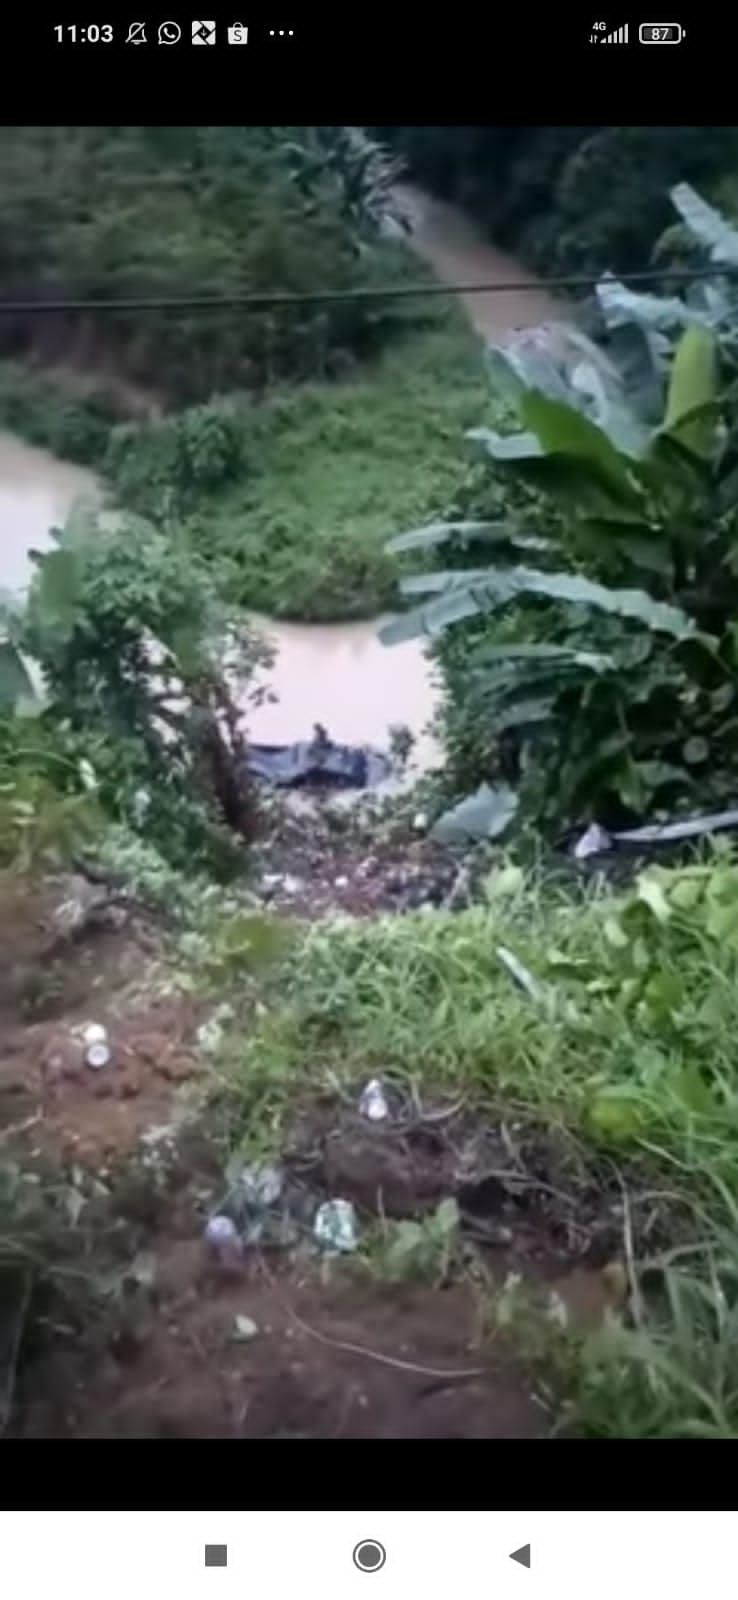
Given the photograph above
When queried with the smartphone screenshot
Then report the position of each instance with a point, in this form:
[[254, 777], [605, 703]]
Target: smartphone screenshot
[[368, 774]]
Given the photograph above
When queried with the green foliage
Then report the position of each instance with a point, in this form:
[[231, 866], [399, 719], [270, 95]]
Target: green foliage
[[125, 623], [412, 1250], [166, 466], [348, 165], [186, 212], [635, 703], [302, 533], [40, 408]]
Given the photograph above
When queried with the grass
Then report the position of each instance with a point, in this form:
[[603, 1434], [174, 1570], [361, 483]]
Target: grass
[[332, 468], [337, 468], [629, 1049]]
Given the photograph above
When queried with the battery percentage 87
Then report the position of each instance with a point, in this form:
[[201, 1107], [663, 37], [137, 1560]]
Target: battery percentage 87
[[660, 33]]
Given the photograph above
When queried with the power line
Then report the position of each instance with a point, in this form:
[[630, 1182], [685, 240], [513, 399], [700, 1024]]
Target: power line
[[263, 302]]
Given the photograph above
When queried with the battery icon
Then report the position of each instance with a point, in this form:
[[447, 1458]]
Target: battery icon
[[660, 33]]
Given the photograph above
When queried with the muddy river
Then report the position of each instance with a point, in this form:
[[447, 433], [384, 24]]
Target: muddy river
[[340, 674]]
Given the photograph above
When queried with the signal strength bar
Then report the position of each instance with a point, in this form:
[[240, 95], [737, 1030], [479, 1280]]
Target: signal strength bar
[[620, 36]]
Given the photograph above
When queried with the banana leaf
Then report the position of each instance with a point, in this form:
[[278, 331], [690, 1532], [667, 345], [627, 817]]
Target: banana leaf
[[706, 223], [497, 587]]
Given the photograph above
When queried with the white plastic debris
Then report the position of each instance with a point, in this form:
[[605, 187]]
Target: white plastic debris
[[244, 1329], [373, 1101], [95, 1033], [420, 821], [341, 882], [335, 1228], [88, 775], [259, 1186], [98, 1056], [223, 1240], [594, 841], [96, 1043], [210, 1034]]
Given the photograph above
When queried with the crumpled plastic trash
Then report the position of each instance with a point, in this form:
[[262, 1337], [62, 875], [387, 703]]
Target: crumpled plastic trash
[[335, 1227], [373, 1101], [259, 1205], [224, 1241], [210, 1034], [593, 842], [96, 1043]]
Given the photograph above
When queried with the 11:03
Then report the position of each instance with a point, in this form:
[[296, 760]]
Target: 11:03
[[93, 33]]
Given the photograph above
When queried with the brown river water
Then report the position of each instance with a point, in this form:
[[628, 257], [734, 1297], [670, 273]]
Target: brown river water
[[339, 674]]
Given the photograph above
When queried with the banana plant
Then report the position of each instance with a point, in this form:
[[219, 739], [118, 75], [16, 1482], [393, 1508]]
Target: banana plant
[[632, 502]]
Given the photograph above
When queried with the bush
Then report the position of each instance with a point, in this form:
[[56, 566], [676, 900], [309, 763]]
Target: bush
[[166, 465], [41, 409], [132, 639]]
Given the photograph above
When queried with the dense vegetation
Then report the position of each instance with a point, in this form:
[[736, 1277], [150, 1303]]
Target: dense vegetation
[[613, 685], [122, 213], [569, 199]]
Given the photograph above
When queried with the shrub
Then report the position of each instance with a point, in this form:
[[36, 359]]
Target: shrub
[[165, 465]]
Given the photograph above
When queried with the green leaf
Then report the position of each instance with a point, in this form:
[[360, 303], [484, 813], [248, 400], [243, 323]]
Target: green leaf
[[15, 683], [483, 815], [651, 893], [496, 587], [562, 430], [546, 654], [57, 587], [692, 388], [706, 223]]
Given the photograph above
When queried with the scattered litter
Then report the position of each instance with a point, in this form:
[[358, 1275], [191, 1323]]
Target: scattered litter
[[97, 1047], [420, 821], [244, 1328], [210, 1034], [519, 973], [259, 1186], [341, 882], [335, 1228], [223, 1240], [373, 1101], [261, 1209], [95, 1033], [594, 841], [98, 1056]]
